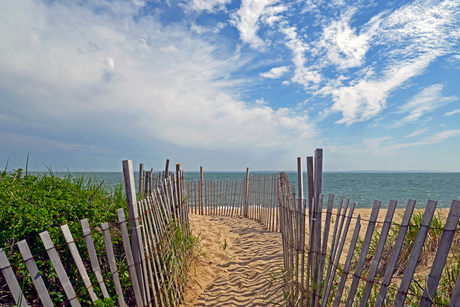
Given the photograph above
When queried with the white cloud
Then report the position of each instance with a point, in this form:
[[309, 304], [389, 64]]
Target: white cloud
[[375, 143], [56, 69], [341, 45], [275, 72], [261, 101], [201, 30], [250, 15], [170, 48], [393, 147], [303, 74], [205, 5], [415, 35], [417, 133], [452, 112], [428, 100]]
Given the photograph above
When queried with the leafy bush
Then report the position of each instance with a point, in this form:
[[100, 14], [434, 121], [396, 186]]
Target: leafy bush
[[33, 203]]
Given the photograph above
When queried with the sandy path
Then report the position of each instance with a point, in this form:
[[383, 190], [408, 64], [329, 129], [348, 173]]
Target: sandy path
[[240, 254]]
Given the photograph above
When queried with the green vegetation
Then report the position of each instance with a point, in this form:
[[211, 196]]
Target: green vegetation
[[33, 203]]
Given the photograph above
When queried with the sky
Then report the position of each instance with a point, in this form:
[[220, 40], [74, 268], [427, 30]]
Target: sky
[[227, 84]]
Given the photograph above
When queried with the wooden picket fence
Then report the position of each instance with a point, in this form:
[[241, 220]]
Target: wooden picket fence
[[314, 275], [253, 197], [311, 262], [156, 267]]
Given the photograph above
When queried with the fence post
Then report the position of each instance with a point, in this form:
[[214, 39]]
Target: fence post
[[136, 238], [318, 187], [167, 168], [141, 178], [201, 191], [301, 210], [246, 195], [179, 189], [311, 223]]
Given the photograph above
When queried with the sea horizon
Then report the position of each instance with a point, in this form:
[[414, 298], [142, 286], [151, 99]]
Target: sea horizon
[[361, 187]]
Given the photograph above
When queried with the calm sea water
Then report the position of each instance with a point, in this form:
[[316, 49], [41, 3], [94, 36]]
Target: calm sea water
[[362, 188]]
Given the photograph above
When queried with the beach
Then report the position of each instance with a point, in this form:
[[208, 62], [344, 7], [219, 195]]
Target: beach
[[241, 257]]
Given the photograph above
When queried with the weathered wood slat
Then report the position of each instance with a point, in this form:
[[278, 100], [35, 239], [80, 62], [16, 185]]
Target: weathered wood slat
[[333, 247], [395, 253], [378, 252], [112, 263], [136, 236], [311, 196], [129, 257], [93, 256], [324, 245], [415, 253], [363, 254], [157, 216], [146, 239], [455, 299], [441, 255], [339, 250], [35, 274], [347, 262], [11, 280], [79, 262], [153, 246], [59, 268], [319, 208]]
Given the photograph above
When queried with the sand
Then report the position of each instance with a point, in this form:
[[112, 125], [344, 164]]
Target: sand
[[240, 254], [240, 257]]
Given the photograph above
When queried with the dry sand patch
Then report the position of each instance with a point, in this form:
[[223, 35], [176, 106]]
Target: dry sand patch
[[240, 254]]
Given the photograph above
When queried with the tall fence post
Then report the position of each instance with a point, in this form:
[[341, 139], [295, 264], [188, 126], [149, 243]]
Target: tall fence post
[[246, 194], [311, 222], [318, 182], [201, 191], [136, 237], [141, 179], [301, 216], [179, 188], [167, 168]]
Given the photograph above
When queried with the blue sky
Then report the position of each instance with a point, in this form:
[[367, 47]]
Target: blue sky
[[228, 84]]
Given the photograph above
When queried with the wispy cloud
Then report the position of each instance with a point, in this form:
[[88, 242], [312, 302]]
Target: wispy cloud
[[417, 133], [412, 36], [341, 45], [428, 100], [159, 76], [202, 30], [170, 48], [248, 18], [376, 143], [205, 5], [433, 139], [303, 74], [452, 112], [275, 72]]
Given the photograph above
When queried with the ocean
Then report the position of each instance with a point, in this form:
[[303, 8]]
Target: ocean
[[362, 188]]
